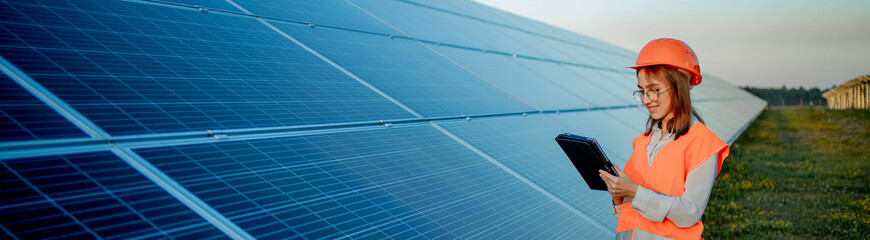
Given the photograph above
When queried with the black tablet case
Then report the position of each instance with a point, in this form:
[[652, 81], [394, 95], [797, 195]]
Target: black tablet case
[[587, 157]]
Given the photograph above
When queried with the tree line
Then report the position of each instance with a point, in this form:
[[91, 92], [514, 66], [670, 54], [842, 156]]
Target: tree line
[[789, 96]]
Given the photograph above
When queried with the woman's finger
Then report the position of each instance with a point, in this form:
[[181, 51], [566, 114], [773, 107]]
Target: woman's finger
[[606, 176], [602, 172], [607, 181], [618, 171], [610, 188]]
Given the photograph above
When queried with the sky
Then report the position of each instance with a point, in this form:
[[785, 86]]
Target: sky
[[762, 43]]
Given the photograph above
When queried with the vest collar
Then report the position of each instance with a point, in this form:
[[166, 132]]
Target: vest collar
[[656, 130]]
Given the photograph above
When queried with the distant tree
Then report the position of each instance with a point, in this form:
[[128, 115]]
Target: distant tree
[[789, 96]]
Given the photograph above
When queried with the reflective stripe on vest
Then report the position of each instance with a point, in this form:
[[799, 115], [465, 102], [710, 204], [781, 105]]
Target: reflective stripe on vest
[[667, 175], [638, 234]]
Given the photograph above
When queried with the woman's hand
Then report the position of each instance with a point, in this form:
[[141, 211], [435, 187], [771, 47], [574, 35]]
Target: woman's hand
[[617, 202], [619, 186]]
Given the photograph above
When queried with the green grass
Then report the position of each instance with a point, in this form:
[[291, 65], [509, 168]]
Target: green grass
[[795, 174]]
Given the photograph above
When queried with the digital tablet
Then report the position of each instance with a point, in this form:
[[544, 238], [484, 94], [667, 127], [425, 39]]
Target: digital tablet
[[587, 157]]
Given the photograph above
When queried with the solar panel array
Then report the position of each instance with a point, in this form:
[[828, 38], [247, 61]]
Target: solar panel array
[[299, 119]]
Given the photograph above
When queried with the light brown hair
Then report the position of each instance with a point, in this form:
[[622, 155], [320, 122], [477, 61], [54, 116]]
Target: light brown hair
[[677, 80]]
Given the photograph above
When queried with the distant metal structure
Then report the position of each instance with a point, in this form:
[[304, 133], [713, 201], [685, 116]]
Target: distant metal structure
[[854, 94]]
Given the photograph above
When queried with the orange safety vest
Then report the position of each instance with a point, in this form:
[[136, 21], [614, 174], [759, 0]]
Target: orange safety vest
[[667, 175]]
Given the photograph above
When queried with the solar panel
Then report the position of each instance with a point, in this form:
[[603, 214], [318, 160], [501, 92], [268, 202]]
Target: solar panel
[[581, 82], [450, 28], [717, 90], [92, 195], [403, 182], [142, 69], [444, 28], [613, 133], [439, 87], [23, 117], [527, 145], [727, 121], [589, 56], [502, 19], [478, 12], [633, 117], [326, 119], [516, 79], [326, 13]]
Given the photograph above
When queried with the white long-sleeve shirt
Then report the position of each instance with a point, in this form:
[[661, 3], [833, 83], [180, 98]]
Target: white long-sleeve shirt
[[684, 210]]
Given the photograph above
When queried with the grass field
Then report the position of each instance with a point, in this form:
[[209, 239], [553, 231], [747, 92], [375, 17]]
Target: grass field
[[795, 174]]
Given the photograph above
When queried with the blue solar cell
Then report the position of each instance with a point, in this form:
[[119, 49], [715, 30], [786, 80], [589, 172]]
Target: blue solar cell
[[720, 128], [422, 23], [23, 117], [527, 145], [206, 5], [593, 57], [619, 84], [585, 42], [561, 51], [138, 68], [333, 13], [449, 28], [499, 17], [93, 195], [471, 10], [633, 117], [505, 20], [725, 118], [400, 182], [533, 88], [440, 5], [614, 134], [466, 30], [409, 71], [474, 10], [575, 80]]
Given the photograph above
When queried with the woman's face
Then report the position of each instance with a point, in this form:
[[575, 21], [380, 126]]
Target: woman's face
[[662, 106]]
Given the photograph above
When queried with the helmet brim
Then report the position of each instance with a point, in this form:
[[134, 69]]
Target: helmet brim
[[696, 78]]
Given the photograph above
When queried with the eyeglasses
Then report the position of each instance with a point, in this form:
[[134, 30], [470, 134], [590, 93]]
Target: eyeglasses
[[650, 94]]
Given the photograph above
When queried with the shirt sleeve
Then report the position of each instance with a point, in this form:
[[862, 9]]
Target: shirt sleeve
[[685, 210]]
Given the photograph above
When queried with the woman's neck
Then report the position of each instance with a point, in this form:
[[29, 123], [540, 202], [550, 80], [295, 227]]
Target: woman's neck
[[664, 126]]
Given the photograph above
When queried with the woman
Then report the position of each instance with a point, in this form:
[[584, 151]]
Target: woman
[[666, 183]]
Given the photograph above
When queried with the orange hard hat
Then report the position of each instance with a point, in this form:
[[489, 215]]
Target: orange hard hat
[[673, 52]]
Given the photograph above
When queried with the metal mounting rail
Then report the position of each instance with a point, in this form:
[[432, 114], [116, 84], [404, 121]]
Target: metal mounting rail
[[76, 145]]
